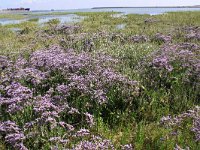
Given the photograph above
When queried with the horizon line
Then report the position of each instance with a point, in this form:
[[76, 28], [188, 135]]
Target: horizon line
[[104, 7]]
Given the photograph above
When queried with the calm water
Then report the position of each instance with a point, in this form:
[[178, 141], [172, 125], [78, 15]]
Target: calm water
[[120, 26], [63, 19], [151, 11], [71, 18], [74, 18]]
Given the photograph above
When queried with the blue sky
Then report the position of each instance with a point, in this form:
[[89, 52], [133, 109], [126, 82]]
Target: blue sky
[[74, 4]]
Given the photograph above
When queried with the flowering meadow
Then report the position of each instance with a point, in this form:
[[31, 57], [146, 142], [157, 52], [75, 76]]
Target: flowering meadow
[[92, 86]]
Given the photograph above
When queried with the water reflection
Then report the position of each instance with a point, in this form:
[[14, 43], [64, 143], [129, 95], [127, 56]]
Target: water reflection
[[15, 29], [120, 15], [120, 26], [63, 19]]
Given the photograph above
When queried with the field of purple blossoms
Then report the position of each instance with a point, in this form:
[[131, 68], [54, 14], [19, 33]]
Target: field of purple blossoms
[[92, 87], [61, 92]]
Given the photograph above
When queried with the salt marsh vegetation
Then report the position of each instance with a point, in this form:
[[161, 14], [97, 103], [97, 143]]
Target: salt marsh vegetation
[[89, 85]]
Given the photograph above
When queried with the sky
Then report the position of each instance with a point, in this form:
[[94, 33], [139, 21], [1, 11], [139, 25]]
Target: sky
[[77, 4]]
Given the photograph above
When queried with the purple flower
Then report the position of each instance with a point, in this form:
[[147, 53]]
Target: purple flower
[[65, 125], [32, 75], [127, 147], [101, 97], [59, 140], [93, 144], [162, 62], [43, 104], [82, 132], [17, 90], [73, 111], [9, 127], [63, 89], [178, 120], [17, 97], [163, 38], [20, 63], [13, 134], [89, 119], [14, 138], [139, 38], [196, 128]]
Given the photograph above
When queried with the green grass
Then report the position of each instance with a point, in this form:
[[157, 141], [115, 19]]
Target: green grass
[[11, 16]]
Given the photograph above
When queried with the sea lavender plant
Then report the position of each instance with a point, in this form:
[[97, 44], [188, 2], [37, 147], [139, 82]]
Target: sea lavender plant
[[162, 38], [94, 143], [170, 61], [16, 98], [178, 121], [8, 127], [192, 33], [82, 133], [162, 62], [139, 38], [127, 147], [67, 29], [31, 75], [13, 135], [89, 119], [64, 91]]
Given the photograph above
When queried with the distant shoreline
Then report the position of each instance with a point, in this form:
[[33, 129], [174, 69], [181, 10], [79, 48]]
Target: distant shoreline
[[150, 7]]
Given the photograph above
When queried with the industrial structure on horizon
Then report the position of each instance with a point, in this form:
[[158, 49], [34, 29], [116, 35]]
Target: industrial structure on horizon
[[17, 9]]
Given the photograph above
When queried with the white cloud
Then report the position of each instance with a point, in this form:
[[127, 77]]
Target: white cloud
[[32, 1], [26, 1]]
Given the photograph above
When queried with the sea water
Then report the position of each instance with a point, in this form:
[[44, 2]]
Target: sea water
[[70, 18]]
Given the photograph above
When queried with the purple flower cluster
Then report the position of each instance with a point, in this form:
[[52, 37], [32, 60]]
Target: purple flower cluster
[[177, 147], [6, 71], [171, 60], [162, 62], [4, 62], [82, 133], [94, 143], [90, 41], [17, 97], [32, 75], [178, 120], [192, 33], [84, 73], [163, 38], [186, 55], [13, 135], [139, 38], [150, 20], [127, 147], [58, 140], [49, 86], [89, 119], [67, 29]]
